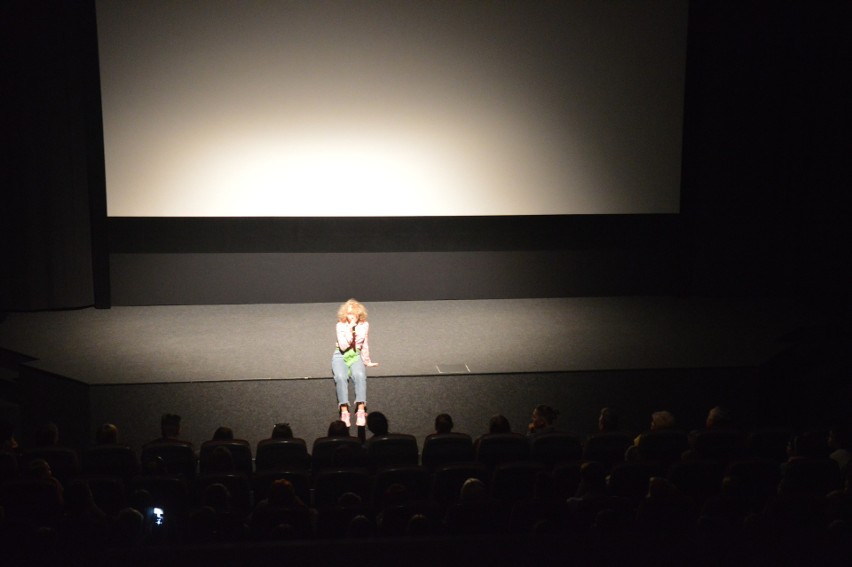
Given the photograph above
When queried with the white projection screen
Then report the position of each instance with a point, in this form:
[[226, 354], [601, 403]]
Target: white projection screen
[[396, 108]]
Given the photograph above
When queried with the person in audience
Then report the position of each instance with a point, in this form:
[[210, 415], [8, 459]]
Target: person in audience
[[660, 420], [443, 424], [282, 431], [47, 435], [838, 444], [543, 420], [106, 434], [40, 469], [350, 360], [475, 512], [608, 421], [281, 515], [223, 433], [337, 429], [83, 526], [170, 430], [221, 461], [499, 424], [377, 423], [8, 442], [591, 497]]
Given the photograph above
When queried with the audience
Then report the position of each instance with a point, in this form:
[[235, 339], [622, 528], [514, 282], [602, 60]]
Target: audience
[[668, 513]]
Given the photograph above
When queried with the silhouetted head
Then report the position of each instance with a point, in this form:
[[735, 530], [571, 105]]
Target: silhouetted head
[[282, 431], [662, 420], [170, 425], [499, 424], [106, 434], [377, 423], [608, 420], [47, 435], [223, 433], [719, 418], [443, 423], [338, 429]]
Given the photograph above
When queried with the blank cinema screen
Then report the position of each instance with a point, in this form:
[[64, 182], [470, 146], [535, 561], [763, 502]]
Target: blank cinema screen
[[392, 108]]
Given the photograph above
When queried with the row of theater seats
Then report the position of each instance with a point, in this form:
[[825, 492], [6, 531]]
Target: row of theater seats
[[510, 465], [401, 449]]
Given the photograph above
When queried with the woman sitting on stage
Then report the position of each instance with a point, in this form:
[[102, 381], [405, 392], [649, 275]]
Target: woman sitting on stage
[[350, 359]]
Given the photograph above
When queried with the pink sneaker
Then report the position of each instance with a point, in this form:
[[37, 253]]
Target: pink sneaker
[[344, 417], [361, 418]]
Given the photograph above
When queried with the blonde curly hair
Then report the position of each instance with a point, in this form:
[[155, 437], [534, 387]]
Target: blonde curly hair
[[357, 308]]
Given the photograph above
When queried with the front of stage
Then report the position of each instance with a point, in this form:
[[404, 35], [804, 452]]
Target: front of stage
[[250, 366]]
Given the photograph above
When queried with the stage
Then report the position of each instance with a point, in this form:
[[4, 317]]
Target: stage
[[249, 366], [138, 345]]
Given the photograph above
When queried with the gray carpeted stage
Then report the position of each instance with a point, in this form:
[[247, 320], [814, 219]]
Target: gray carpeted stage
[[135, 345], [246, 365]]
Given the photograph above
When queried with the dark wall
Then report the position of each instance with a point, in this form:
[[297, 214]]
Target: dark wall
[[209, 261], [768, 130]]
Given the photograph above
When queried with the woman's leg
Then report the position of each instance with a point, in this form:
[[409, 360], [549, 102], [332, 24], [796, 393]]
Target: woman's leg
[[341, 378], [359, 377]]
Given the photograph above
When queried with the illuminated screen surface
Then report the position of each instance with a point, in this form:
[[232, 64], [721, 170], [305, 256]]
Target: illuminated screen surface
[[391, 108]]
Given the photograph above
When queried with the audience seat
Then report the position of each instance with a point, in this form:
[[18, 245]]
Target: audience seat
[[281, 454], [240, 452], [110, 460], [238, 485], [769, 443], [178, 458], [722, 446], [664, 446], [607, 448], [300, 479], [440, 449], [448, 479], [415, 478], [330, 484], [493, 449], [515, 480], [109, 492], [393, 449], [327, 451], [33, 502], [64, 461], [555, 447]]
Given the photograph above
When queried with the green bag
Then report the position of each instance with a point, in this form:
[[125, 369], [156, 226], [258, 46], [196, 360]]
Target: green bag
[[349, 357]]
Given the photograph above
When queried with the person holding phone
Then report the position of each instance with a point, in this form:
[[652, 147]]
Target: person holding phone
[[350, 360]]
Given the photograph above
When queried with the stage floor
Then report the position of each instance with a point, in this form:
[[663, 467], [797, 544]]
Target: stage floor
[[172, 344]]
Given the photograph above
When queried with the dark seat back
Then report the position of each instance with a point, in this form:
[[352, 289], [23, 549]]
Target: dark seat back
[[555, 447], [495, 448], [178, 458], [440, 449], [328, 451], [607, 448], [240, 450], [281, 454], [393, 449], [110, 460]]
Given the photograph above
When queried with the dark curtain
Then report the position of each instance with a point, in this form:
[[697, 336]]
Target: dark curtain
[[52, 156]]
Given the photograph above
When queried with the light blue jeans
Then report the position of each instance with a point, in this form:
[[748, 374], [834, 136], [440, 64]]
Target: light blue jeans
[[341, 378]]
